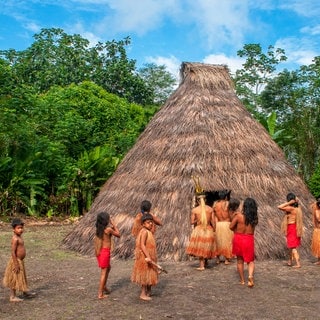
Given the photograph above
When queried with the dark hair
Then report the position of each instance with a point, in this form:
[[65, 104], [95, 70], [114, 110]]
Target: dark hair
[[224, 194], [250, 211], [233, 205], [318, 203], [146, 217], [16, 222], [103, 219], [145, 206], [292, 196]]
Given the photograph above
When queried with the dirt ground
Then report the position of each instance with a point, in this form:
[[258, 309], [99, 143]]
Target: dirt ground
[[66, 284]]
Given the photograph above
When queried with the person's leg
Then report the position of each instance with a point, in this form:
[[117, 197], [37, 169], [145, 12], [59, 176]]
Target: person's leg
[[289, 263], [201, 264], [143, 295], [250, 274], [240, 268], [148, 291], [13, 296], [105, 289], [296, 257], [102, 283]]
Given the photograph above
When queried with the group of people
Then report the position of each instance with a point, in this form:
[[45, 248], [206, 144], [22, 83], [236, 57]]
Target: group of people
[[223, 230], [145, 270], [226, 230]]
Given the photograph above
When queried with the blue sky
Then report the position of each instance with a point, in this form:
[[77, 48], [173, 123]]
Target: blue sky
[[172, 31]]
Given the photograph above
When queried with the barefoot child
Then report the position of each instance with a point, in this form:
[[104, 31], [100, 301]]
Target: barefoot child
[[15, 274], [292, 227], [144, 272], [243, 224], [105, 229]]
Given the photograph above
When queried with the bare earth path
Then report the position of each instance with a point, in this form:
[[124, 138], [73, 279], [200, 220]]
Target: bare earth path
[[66, 287]]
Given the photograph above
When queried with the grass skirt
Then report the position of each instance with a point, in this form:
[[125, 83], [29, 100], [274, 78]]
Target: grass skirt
[[224, 238], [202, 243], [15, 281], [315, 244], [145, 273]]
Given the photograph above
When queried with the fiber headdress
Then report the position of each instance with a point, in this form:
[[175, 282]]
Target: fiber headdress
[[200, 193]]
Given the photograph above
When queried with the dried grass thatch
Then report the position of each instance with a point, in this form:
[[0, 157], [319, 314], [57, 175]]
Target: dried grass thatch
[[202, 130]]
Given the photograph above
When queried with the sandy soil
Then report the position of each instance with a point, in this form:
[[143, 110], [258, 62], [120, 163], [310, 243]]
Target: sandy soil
[[66, 283]]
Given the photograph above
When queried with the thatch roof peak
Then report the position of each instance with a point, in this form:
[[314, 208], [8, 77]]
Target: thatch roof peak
[[202, 130]]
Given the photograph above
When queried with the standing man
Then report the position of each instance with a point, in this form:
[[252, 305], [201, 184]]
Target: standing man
[[224, 235]]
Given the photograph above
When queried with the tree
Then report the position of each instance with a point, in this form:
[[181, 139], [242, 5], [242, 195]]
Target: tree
[[56, 58], [257, 70], [159, 80]]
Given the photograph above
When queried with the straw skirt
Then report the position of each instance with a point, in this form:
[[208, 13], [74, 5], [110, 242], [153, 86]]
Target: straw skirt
[[13, 280]]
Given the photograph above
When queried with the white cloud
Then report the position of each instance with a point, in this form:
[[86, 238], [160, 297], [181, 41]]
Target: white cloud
[[138, 17], [312, 31], [32, 26], [233, 63], [298, 50], [307, 8], [172, 64], [220, 23]]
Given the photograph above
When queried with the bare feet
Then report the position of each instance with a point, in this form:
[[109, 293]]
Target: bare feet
[[15, 299], [102, 296], [242, 282], [145, 298], [226, 262], [250, 282], [297, 266], [200, 268]]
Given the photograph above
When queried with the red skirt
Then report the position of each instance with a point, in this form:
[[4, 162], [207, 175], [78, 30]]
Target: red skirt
[[243, 246], [104, 258], [293, 241]]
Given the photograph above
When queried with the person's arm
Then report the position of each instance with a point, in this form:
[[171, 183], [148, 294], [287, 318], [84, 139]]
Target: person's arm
[[143, 241], [156, 220], [14, 247], [213, 220], [233, 223], [287, 206], [193, 218], [114, 229]]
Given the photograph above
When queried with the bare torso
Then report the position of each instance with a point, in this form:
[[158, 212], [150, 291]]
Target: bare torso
[[18, 248], [220, 209], [238, 224], [196, 215]]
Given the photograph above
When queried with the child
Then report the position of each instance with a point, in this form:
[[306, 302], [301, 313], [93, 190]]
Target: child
[[105, 229], [315, 244], [144, 271], [137, 224], [292, 227], [15, 274], [243, 224]]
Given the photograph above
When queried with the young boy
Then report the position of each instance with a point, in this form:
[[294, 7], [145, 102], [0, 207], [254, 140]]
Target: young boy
[[15, 275]]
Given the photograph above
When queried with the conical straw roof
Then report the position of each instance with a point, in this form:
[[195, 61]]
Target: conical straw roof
[[203, 130]]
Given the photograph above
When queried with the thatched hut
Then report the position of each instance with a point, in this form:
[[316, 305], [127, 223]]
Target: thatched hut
[[202, 130]]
